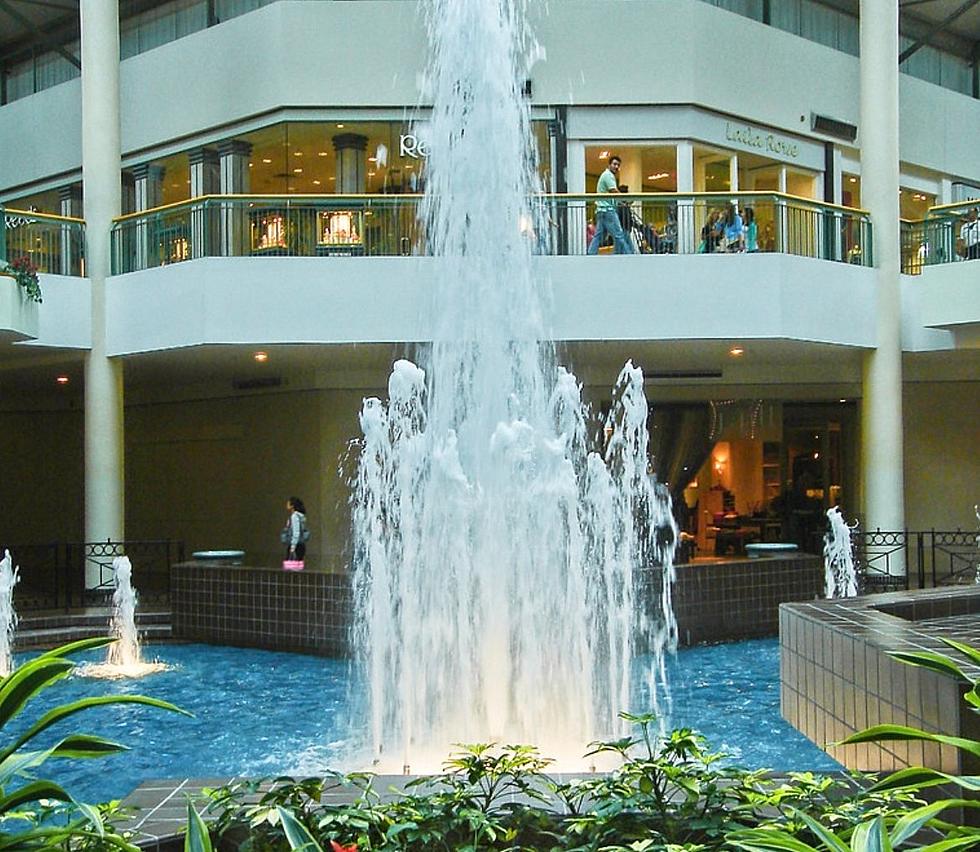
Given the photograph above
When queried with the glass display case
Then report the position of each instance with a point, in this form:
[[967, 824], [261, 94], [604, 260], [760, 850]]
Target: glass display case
[[340, 232]]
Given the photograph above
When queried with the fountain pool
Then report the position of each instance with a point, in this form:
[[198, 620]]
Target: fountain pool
[[263, 713]]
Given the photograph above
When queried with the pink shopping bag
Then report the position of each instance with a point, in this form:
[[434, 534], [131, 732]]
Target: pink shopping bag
[[292, 565]]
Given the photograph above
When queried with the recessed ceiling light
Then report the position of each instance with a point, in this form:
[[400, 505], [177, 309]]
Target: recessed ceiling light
[[266, 160], [251, 164], [370, 174], [603, 155], [297, 153], [736, 351], [333, 178], [842, 400], [853, 180], [316, 183], [658, 176], [261, 357], [340, 126], [62, 380], [297, 171], [323, 154], [372, 159]]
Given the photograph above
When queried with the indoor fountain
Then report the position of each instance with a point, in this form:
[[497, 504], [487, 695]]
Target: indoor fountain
[[8, 615], [507, 579], [124, 657], [838, 557]]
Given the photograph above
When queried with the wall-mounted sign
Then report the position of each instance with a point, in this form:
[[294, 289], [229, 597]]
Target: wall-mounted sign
[[409, 145], [750, 137]]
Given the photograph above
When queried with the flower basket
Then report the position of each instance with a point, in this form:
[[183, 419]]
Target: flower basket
[[24, 272]]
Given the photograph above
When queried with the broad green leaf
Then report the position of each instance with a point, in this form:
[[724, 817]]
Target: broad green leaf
[[76, 646], [901, 732], [967, 651], [297, 834], [84, 746], [969, 842], [918, 777], [197, 838], [57, 714], [914, 820], [93, 816], [766, 839], [929, 660], [26, 682], [826, 836], [32, 793]]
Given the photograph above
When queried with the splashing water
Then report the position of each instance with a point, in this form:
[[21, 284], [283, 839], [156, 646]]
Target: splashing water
[[124, 658], [504, 576], [8, 616], [840, 577]]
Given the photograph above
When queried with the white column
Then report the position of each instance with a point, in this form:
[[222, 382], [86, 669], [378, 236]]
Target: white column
[[575, 220], [233, 155], [687, 238], [101, 167], [351, 163], [70, 198], [733, 173], [205, 168], [882, 473]]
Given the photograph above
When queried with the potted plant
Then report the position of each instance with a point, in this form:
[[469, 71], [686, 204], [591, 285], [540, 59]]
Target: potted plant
[[24, 272]]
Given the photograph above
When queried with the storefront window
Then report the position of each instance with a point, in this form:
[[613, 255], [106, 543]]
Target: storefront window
[[914, 205], [645, 168], [850, 190], [712, 170], [39, 202]]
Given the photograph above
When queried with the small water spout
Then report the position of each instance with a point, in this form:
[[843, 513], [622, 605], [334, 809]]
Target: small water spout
[[838, 557], [8, 616], [126, 650], [124, 658]]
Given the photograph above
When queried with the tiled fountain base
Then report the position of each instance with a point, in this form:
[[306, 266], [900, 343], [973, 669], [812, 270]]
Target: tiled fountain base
[[310, 611], [837, 677]]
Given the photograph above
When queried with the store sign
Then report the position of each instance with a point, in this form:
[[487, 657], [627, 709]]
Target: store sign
[[409, 145], [748, 136]]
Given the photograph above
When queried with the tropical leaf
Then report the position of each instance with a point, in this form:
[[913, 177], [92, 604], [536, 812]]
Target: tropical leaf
[[76, 646], [94, 818], [901, 732], [18, 688], [826, 836], [197, 838], [967, 651], [929, 660], [65, 710], [919, 777], [914, 820], [766, 839], [32, 793], [297, 834], [969, 842]]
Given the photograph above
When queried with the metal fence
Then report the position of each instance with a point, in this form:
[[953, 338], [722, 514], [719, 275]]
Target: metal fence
[[892, 560], [54, 244], [52, 576], [944, 237], [388, 225]]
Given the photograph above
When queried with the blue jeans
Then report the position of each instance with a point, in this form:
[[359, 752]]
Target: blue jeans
[[607, 222]]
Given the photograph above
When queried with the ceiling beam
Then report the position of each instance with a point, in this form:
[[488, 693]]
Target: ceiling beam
[[938, 28], [49, 42]]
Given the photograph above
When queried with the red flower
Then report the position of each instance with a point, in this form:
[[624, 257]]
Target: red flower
[[336, 847]]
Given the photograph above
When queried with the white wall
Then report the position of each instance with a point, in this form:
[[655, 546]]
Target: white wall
[[950, 295], [65, 315], [371, 53], [378, 300]]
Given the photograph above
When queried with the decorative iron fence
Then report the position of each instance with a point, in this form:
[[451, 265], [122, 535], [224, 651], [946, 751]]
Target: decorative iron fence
[[52, 576], [54, 244], [892, 560], [387, 225]]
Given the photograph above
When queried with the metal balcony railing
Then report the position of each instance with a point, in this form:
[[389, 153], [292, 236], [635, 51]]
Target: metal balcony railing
[[54, 244], [945, 236], [388, 225]]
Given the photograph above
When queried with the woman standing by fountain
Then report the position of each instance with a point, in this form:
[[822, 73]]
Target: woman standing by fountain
[[295, 533]]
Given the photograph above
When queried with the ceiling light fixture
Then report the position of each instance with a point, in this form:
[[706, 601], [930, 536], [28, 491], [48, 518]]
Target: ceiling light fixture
[[603, 155], [323, 154], [261, 357], [62, 380], [266, 160], [736, 351], [658, 176]]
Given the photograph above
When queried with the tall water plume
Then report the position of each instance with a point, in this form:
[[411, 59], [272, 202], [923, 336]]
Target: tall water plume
[[497, 563], [840, 576], [8, 615]]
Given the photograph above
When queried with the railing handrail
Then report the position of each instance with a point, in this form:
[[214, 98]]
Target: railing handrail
[[49, 217], [396, 198]]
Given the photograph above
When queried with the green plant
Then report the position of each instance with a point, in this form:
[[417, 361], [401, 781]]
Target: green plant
[[66, 821], [24, 272], [891, 829]]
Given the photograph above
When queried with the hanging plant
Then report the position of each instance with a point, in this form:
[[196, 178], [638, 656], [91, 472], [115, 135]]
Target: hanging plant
[[24, 272]]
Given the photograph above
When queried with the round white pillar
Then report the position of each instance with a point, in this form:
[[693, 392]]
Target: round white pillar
[[101, 167], [881, 414]]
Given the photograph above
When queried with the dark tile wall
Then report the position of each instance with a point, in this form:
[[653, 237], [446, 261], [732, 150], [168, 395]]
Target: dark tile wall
[[837, 677], [308, 611], [716, 601], [303, 611]]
